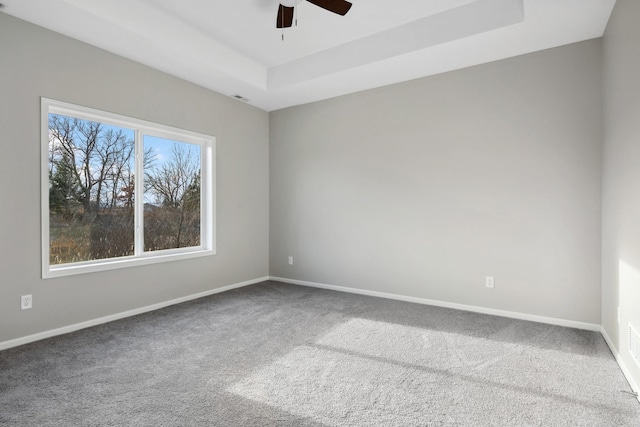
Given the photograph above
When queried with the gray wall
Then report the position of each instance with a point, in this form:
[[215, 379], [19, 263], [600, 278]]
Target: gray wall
[[419, 189], [426, 187], [621, 178], [35, 62]]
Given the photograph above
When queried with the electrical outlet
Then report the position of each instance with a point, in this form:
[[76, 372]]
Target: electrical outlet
[[290, 260], [26, 302], [489, 282]]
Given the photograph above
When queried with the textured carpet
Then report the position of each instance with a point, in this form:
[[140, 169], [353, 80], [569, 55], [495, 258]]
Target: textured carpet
[[276, 354]]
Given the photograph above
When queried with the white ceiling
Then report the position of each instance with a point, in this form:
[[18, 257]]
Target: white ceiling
[[233, 46]]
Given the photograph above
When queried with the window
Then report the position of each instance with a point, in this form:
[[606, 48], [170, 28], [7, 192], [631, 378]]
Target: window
[[119, 192]]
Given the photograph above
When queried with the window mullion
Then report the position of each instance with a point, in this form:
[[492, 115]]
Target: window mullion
[[139, 194]]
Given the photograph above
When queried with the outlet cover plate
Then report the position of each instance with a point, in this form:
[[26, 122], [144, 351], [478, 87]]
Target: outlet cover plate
[[26, 302], [489, 282]]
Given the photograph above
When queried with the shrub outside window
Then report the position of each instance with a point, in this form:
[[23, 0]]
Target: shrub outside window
[[119, 191]]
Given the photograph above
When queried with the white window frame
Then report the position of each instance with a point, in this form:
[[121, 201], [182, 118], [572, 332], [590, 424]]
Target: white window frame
[[141, 128]]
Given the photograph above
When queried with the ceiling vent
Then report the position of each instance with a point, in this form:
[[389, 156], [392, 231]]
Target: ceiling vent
[[241, 98]]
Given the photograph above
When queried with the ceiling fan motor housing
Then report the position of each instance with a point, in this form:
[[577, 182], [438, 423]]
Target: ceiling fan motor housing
[[290, 3]]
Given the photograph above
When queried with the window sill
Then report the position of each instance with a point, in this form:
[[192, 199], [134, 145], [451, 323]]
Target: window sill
[[118, 263]]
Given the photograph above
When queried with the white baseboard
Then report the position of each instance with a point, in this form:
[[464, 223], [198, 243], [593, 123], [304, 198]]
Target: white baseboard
[[89, 323], [634, 386], [511, 314]]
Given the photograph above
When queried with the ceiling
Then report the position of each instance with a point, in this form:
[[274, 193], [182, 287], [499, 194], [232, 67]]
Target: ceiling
[[233, 46]]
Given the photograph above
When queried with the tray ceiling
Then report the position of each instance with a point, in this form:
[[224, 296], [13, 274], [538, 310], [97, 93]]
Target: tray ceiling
[[234, 48]]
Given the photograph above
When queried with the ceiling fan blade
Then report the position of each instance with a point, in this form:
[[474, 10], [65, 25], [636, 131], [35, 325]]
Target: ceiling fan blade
[[285, 17], [341, 7]]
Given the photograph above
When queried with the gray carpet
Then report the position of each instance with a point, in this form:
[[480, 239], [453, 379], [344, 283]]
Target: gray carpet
[[282, 355]]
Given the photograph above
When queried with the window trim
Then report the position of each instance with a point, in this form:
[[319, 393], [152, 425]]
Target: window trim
[[141, 127]]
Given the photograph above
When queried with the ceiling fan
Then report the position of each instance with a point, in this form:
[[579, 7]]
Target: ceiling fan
[[285, 10]]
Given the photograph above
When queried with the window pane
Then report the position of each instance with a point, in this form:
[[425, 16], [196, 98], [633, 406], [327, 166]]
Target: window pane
[[171, 194], [91, 212]]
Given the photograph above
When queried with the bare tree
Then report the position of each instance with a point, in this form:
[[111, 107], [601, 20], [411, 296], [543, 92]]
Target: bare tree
[[101, 156], [89, 163], [175, 219], [170, 181]]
